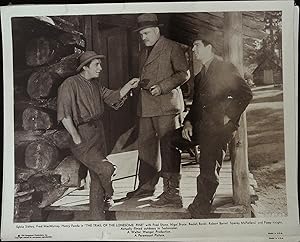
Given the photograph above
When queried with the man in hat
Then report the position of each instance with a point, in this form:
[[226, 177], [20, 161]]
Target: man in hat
[[163, 68], [80, 106], [220, 97]]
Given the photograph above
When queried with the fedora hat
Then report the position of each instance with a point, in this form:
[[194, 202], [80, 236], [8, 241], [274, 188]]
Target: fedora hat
[[147, 20], [209, 37], [212, 38], [86, 57]]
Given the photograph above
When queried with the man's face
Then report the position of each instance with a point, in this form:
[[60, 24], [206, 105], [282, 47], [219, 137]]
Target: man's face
[[150, 35], [201, 52], [94, 68]]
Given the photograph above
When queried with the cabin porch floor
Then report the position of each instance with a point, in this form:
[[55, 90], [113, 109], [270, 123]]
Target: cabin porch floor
[[74, 204]]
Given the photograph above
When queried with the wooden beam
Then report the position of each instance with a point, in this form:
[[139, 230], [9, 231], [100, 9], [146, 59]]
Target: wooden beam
[[88, 32], [233, 50]]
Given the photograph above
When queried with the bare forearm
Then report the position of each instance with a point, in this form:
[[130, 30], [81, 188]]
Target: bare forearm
[[133, 83], [70, 127], [124, 90]]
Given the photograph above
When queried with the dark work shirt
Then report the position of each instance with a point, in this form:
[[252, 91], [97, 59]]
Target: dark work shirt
[[83, 99]]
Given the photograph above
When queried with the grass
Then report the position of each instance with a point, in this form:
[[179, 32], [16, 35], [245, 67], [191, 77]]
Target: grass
[[265, 123]]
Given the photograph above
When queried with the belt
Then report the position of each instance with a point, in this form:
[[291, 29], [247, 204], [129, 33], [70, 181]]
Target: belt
[[92, 122]]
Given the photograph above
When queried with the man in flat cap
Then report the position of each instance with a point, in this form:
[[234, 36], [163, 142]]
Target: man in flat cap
[[220, 97], [163, 69], [80, 106]]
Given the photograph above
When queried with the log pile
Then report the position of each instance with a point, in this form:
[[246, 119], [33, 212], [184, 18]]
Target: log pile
[[44, 168]]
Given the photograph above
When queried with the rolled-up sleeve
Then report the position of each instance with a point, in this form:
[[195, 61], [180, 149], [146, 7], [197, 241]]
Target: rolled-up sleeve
[[112, 98], [64, 101]]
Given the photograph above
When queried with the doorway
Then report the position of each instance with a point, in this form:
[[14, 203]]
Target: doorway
[[112, 41]]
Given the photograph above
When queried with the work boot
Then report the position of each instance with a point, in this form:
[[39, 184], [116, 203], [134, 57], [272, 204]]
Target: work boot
[[171, 194], [202, 203], [108, 203], [199, 211], [140, 192]]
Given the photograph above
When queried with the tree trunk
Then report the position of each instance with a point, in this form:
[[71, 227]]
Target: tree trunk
[[40, 51], [61, 138], [41, 155], [67, 66], [22, 175], [37, 118], [40, 84], [20, 149], [48, 186], [21, 105], [52, 196], [69, 171], [45, 82]]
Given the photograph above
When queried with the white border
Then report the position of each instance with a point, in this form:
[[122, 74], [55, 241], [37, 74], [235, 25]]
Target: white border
[[289, 226]]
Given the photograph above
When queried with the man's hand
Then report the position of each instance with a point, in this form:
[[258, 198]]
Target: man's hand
[[69, 125], [155, 90], [77, 139], [133, 83], [228, 132], [187, 131]]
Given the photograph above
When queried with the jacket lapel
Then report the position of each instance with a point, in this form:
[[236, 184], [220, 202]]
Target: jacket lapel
[[158, 47], [143, 59], [209, 72], [209, 75]]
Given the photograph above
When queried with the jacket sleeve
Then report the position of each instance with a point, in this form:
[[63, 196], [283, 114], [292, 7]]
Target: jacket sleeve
[[195, 111], [240, 94], [180, 68], [112, 97]]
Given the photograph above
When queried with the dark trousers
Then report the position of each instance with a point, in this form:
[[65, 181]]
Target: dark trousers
[[91, 153], [151, 147], [212, 152]]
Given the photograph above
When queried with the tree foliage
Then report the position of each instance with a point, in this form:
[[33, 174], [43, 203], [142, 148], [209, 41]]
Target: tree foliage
[[271, 45]]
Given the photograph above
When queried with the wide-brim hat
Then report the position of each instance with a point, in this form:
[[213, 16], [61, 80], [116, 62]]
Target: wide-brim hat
[[86, 57], [147, 20], [209, 37]]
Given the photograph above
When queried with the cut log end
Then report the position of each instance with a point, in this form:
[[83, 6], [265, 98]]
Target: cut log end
[[40, 51], [36, 119], [41, 155]]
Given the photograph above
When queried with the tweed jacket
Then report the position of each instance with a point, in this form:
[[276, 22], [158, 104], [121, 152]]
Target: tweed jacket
[[167, 67], [221, 91]]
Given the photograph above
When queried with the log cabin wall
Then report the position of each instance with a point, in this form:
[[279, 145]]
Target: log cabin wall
[[45, 51]]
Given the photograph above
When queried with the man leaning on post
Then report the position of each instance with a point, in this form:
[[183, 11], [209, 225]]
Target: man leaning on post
[[220, 97], [80, 106]]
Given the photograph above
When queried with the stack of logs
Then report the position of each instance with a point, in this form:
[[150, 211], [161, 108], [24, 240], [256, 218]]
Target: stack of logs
[[44, 168]]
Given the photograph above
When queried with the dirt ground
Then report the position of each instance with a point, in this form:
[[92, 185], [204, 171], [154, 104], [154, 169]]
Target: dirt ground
[[266, 150]]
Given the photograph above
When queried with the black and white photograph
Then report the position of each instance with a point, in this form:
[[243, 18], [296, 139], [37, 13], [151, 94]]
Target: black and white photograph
[[142, 114]]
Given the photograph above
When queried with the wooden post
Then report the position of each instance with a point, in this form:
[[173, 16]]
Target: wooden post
[[233, 52], [88, 32]]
